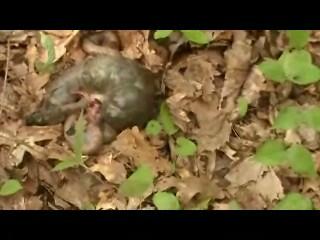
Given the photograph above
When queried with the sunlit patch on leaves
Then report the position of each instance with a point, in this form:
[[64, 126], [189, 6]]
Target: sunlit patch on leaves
[[271, 152], [166, 201], [139, 182], [79, 138], [48, 44], [153, 128], [242, 106], [165, 119], [185, 147], [10, 187], [294, 201], [234, 205], [301, 161], [196, 36], [298, 38], [162, 34], [288, 118]]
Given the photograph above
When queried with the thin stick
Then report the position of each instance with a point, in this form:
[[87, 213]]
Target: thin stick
[[5, 76]]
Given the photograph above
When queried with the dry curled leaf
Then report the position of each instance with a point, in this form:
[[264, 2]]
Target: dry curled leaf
[[269, 186], [214, 127], [132, 143], [112, 170], [246, 171], [191, 186], [237, 64]]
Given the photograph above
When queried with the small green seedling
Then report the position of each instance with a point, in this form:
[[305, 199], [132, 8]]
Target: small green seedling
[[166, 201], [298, 68], [242, 106], [138, 183], [298, 38], [295, 65], [294, 201], [301, 161], [185, 147], [311, 117], [79, 137], [159, 34], [288, 118], [271, 152], [292, 117], [194, 36], [10, 187], [48, 44], [274, 153], [153, 128], [166, 120]]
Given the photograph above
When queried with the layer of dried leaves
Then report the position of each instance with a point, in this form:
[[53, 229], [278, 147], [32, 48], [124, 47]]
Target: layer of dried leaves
[[202, 86]]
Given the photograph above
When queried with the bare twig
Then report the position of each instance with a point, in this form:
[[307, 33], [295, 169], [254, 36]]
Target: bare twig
[[3, 94]]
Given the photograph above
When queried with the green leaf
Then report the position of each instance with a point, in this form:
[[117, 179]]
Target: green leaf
[[196, 36], [185, 147], [234, 205], [299, 69], [311, 117], [298, 38], [166, 201], [48, 44], [273, 70], [294, 201], [272, 152], [165, 119], [162, 34], [10, 187], [301, 161], [66, 164], [153, 128], [242, 106], [288, 118], [139, 182], [79, 138], [283, 56]]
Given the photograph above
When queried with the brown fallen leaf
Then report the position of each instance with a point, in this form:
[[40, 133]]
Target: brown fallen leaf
[[237, 64], [60, 44], [246, 171], [113, 171], [250, 200], [268, 186], [253, 85], [132, 42], [132, 143], [74, 192], [189, 187], [214, 127], [110, 201]]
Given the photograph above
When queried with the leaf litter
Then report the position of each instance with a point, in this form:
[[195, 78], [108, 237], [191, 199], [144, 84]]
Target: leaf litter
[[202, 87]]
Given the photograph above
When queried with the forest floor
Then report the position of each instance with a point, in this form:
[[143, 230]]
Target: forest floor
[[222, 106]]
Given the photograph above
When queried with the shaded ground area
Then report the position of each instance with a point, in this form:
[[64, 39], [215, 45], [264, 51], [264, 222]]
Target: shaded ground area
[[202, 86]]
